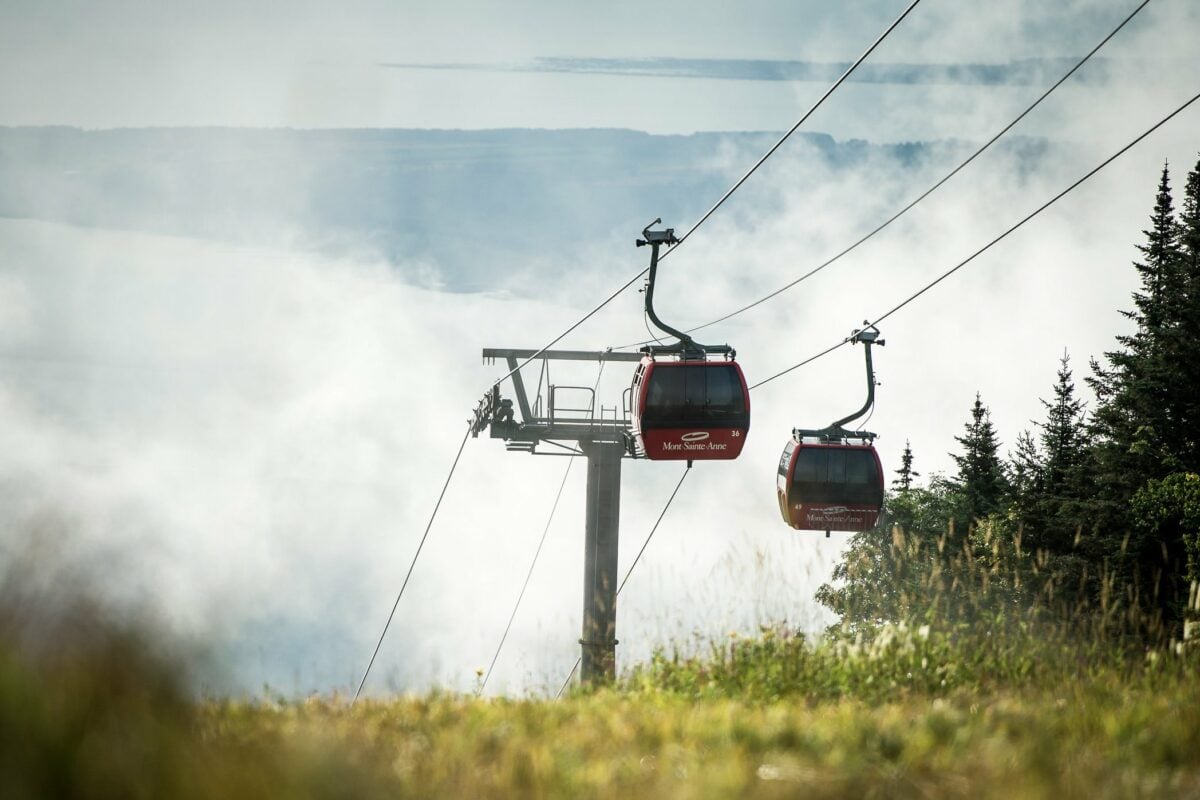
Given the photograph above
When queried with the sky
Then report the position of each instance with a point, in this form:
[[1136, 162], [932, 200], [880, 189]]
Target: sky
[[318, 64], [248, 439]]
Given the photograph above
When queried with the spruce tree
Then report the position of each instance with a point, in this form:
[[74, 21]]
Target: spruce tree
[[1158, 270], [1064, 443], [1189, 230], [1063, 437], [1189, 328], [1145, 426], [1026, 482], [1135, 422], [980, 479], [906, 473]]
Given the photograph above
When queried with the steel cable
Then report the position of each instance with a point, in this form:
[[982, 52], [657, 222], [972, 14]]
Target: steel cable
[[636, 558], [849, 71], [537, 552], [408, 575], [923, 195], [993, 242]]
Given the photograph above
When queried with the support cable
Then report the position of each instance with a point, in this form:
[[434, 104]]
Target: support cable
[[849, 71], [528, 575], [993, 242], [636, 558], [923, 195], [408, 575]]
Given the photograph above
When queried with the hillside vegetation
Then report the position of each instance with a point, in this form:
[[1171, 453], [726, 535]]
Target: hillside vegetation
[[1019, 710]]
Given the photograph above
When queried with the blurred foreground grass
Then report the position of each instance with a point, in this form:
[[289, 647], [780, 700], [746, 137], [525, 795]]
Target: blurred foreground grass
[[88, 710]]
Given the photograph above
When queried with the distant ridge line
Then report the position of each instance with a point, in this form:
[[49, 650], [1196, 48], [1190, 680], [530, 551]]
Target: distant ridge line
[[1020, 72]]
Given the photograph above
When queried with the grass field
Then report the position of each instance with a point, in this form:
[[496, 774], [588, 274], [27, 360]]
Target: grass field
[[911, 711]]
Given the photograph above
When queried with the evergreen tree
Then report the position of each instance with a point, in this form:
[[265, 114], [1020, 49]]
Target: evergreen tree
[[1189, 328], [906, 472], [1026, 482], [1064, 437], [1133, 422], [1048, 494], [900, 507], [980, 478], [1189, 230], [1158, 270], [1064, 443], [1145, 427]]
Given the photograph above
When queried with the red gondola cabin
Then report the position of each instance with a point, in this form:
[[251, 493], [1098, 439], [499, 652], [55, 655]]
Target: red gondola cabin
[[690, 410], [830, 486]]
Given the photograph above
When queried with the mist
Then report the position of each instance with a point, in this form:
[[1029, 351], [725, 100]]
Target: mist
[[251, 439], [236, 366]]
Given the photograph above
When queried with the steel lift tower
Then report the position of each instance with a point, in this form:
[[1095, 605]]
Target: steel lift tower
[[570, 414], [605, 438]]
